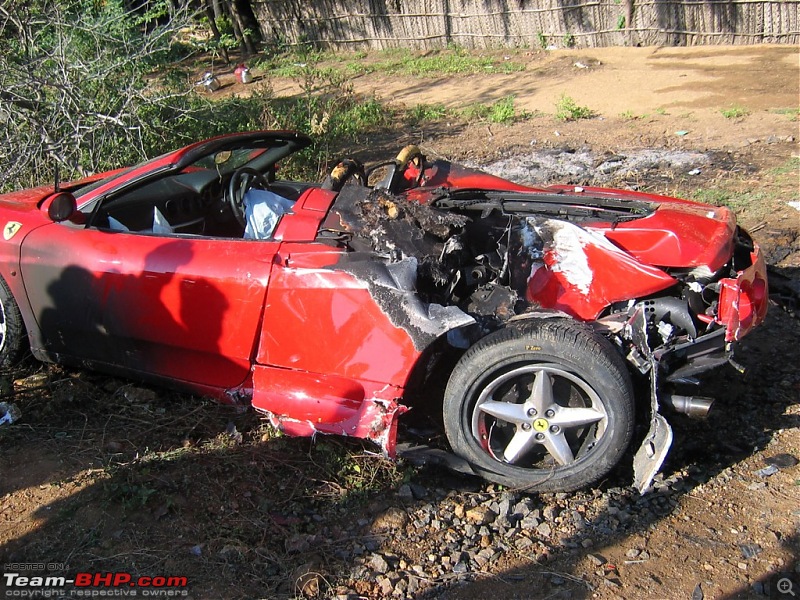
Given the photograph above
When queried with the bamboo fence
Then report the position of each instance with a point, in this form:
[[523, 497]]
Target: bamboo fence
[[430, 24]]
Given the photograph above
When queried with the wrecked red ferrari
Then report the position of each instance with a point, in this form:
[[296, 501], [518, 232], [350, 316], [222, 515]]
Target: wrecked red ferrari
[[335, 307]]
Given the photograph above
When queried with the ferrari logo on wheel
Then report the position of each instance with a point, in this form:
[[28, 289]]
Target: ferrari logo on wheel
[[11, 229], [540, 424]]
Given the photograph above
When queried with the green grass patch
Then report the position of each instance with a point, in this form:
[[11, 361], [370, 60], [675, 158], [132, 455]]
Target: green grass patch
[[568, 110], [427, 112], [443, 62], [501, 111], [395, 61], [734, 112], [736, 201], [629, 115], [792, 113], [791, 166]]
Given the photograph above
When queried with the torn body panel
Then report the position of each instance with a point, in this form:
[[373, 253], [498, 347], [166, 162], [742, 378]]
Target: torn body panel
[[335, 383], [304, 404], [744, 299]]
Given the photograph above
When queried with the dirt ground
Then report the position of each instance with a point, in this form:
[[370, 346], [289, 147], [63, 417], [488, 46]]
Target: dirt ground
[[104, 474]]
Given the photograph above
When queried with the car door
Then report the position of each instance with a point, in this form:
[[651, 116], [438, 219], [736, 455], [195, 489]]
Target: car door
[[182, 307]]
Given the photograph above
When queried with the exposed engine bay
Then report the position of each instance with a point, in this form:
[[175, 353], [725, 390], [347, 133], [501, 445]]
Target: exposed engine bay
[[503, 256]]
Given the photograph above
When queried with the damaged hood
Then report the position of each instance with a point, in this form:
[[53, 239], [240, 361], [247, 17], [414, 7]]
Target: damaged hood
[[675, 233], [656, 230]]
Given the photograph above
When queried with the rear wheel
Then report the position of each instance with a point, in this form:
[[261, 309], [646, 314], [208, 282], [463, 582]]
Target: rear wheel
[[547, 405], [12, 329]]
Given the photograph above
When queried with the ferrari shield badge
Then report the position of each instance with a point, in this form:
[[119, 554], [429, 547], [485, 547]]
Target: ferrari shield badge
[[11, 229]]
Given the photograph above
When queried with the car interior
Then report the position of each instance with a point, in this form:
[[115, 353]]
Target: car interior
[[207, 196], [204, 198]]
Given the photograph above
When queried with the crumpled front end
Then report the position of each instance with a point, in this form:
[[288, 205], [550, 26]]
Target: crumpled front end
[[743, 299], [673, 340]]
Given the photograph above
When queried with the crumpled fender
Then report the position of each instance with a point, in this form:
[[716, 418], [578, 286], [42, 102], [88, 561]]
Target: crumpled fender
[[743, 300]]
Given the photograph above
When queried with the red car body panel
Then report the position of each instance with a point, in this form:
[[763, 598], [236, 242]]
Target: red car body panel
[[304, 299], [743, 301], [678, 235], [180, 309], [582, 274], [289, 324]]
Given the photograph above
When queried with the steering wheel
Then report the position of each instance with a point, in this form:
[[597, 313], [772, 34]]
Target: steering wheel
[[242, 180], [344, 170], [409, 156]]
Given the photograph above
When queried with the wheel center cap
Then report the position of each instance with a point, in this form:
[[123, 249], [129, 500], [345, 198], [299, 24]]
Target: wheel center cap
[[541, 424]]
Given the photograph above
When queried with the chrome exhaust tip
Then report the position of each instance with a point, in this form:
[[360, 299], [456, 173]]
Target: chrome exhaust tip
[[696, 407]]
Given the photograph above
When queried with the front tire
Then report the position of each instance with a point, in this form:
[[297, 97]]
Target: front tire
[[546, 405], [12, 328]]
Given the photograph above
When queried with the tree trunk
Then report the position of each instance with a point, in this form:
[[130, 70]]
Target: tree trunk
[[240, 30], [219, 11], [212, 23]]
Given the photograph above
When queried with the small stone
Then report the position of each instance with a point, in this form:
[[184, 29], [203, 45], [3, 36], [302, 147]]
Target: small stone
[[551, 513], [597, 559], [767, 471], [378, 563], [413, 585], [524, 506], [544, 530], [386, 586], [523, 543], [697, 593], [741, 566], [400, 588], [587, 542], [405, 493], [502, 522], [480, 515], [633, 553], [392, 518], [750, 550], [505, 505], [418, 491], [460, 567], [530, 521]]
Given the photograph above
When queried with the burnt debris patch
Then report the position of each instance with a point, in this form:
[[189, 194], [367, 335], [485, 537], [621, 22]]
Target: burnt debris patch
[[479, 265]]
